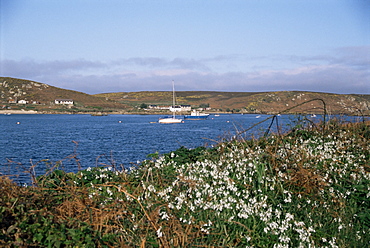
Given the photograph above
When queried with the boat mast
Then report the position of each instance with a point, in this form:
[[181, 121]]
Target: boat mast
[[173, 99]]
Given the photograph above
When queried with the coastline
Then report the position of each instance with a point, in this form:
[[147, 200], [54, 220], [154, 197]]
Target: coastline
[[22, 111], [102, 113], [9, 111]]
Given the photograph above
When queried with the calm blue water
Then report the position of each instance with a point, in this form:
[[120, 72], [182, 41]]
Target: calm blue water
[[42, 140]]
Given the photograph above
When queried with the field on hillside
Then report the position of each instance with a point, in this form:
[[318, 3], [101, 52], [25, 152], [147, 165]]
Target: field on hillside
[[252, 102], [41, 97]]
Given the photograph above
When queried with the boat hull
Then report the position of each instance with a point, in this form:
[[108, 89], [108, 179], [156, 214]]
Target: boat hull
[[193, 117], [170, 120]]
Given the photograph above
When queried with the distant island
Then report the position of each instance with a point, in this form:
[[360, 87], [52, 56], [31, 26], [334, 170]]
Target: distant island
[[25, 96]]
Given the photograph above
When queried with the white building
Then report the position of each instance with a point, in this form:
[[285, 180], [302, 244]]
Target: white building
[[179, 108], [23, 102], [64, 101], [185, 107]]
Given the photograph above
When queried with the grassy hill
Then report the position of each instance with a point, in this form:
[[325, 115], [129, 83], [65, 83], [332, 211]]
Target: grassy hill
[[129, 102], [252, 102], [44, 96]]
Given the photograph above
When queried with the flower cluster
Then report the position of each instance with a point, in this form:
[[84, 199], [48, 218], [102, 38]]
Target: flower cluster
[[307, 190], [246, 186]]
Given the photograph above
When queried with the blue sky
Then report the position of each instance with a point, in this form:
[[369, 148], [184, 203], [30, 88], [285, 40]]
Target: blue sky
[[97, 46]]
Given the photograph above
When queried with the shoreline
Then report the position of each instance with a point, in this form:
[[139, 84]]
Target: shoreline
[[7, 112], [33, 112], [100, 113]]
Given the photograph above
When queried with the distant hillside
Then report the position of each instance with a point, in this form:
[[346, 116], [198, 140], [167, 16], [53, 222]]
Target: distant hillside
[[43, 96], [248, 102]]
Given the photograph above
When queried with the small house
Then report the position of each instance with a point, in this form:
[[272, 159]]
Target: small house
[[185, 107], [22, 102], [179, 108], [64, 101], [175, 108]]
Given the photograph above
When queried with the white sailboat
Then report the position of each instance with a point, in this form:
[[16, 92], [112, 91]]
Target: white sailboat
[[173, 119]]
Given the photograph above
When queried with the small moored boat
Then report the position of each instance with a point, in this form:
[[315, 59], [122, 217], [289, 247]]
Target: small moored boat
[[196, 115]]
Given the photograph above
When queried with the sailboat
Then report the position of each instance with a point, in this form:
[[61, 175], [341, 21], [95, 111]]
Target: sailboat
[[173, 119]]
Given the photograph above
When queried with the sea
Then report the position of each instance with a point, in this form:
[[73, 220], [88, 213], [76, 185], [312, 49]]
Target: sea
[[36, 143]]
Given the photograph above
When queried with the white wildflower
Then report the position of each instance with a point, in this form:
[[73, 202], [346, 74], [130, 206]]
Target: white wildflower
[[159, 232]]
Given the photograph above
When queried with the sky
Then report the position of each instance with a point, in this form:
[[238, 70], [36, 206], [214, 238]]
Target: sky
[[101, 46]]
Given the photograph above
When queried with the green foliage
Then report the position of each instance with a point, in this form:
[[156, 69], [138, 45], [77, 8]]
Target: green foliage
[[143, 106], [47, 232], [204, 105], [55, 179], [184, 155]]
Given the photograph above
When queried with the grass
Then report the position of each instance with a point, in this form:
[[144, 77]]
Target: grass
[[306, 188]]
